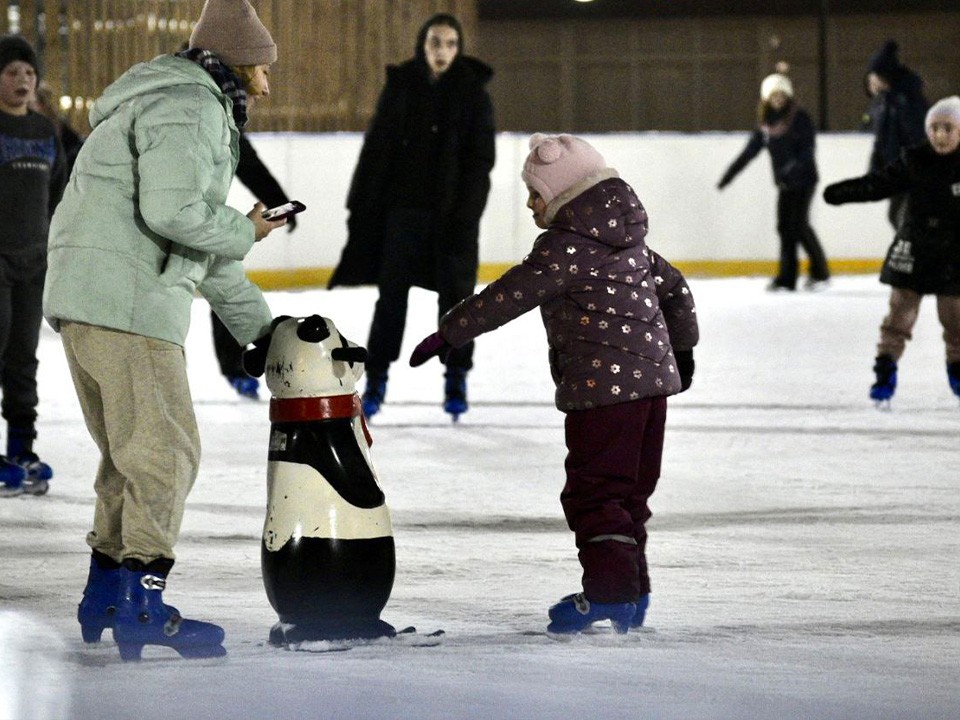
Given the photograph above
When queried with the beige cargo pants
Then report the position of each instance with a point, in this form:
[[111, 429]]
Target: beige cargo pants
[[897, 327], [136, 403]]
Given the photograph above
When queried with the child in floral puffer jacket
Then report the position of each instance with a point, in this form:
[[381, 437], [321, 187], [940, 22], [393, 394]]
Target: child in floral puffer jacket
[[621, 326]]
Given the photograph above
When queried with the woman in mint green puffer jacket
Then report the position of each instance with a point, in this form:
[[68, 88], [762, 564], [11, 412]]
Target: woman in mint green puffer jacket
[[143, 222], [142, 227]]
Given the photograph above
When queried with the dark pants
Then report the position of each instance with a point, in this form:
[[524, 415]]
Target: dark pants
[[21, 312], [793, 226], [613, 465], [229, 351], [407, 246]]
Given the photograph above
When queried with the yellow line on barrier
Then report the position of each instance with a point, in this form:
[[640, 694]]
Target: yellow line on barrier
[[317, 277]]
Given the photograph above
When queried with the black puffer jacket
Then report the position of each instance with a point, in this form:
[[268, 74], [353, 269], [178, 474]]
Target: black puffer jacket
[[790, 137], [925, 254], [450, 121]]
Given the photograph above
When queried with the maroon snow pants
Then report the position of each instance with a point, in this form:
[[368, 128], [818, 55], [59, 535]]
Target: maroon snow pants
[[613, 465]]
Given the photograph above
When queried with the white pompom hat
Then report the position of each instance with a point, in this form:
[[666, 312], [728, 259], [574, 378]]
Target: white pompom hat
[[946, 109], [773, 83]]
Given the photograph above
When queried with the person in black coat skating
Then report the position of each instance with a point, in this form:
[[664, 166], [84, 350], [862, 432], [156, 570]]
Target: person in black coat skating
[[924, 258], [258, 180], [895, 115], [418, 191], [787, 131]]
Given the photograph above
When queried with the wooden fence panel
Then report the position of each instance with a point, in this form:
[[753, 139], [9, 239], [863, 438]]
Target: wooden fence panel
[[328, 77]]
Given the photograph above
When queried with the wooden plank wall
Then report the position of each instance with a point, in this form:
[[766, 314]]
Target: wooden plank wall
[[332, 53]]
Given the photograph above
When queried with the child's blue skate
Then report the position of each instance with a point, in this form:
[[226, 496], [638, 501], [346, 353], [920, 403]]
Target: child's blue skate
[[882, 390], [575, 613], [953, 377], [455, 392], [142, 619], [642, 604], [12, 478]]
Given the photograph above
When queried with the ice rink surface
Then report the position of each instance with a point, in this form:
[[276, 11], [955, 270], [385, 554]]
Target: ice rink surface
[[805, 547]]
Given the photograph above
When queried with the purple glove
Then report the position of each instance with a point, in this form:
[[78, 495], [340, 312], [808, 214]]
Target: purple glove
[[428, 347]]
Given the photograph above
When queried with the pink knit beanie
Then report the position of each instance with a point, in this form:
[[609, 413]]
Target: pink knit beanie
[[946, 109], [232, 30], [558, 162]]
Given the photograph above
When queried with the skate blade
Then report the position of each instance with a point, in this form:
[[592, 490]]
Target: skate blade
[[882, 405]]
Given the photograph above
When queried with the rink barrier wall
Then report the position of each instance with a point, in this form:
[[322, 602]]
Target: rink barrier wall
[[701, 230]]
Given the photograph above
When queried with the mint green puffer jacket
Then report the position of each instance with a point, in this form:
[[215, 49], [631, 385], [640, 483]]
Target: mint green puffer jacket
[[142, 225]]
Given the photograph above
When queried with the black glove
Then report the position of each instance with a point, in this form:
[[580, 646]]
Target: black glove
[[685, 367], [832, 195]]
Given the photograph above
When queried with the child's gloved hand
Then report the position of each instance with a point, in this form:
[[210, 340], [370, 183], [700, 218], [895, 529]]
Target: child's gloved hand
[[685, 367], [430, 346]]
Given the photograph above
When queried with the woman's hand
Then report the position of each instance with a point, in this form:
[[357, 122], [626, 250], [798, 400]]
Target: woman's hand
[[261, 227]]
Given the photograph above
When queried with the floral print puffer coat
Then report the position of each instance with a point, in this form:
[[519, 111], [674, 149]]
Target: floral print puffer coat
[[613, 309]]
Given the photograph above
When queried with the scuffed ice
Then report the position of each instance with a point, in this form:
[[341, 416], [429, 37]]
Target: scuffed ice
[[803, 549]]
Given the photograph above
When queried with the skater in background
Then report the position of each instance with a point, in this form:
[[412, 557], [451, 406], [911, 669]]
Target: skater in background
[[257, 178], [32, 175], [787, 131], [46, 104], [418, 191], [137, 233], [924, 258], [895, 115], [621, 326]]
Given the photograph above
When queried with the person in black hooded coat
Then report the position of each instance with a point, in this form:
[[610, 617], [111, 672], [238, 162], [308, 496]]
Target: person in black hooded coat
[[417, 194], [896, 114]]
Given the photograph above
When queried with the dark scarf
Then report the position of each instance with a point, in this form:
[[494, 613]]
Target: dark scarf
[[776, 123], [224, 77]]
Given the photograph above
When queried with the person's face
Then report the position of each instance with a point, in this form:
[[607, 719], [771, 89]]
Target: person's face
[[539, 208], [778, 100], [18, 80], [441, 47], [259, 85], [876, 84], [945, 136]]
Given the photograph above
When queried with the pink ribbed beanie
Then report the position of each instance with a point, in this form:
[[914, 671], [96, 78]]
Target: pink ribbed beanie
[[232, 30], [558, 162]]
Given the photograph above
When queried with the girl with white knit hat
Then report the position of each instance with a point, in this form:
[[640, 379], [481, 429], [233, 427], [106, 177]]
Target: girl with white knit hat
[[924, 258], [621, 326], [142, 227], [787, 131]]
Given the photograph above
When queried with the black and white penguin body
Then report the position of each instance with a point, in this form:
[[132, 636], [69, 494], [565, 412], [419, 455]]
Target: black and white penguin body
[[327, 551]]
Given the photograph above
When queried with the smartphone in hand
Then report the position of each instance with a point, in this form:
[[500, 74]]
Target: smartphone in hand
[[284, 211]]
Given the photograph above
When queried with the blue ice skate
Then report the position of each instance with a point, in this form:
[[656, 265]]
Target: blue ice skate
[[12, 478], [39, 474], [245, 386], [98, 608], [882, 390], [455, 392], [953, 377], [374, 393], [575, 613], [142, 619], [99, 604], [642, 604]]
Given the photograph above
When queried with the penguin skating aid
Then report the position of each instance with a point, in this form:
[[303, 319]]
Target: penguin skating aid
[[327, 551]]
